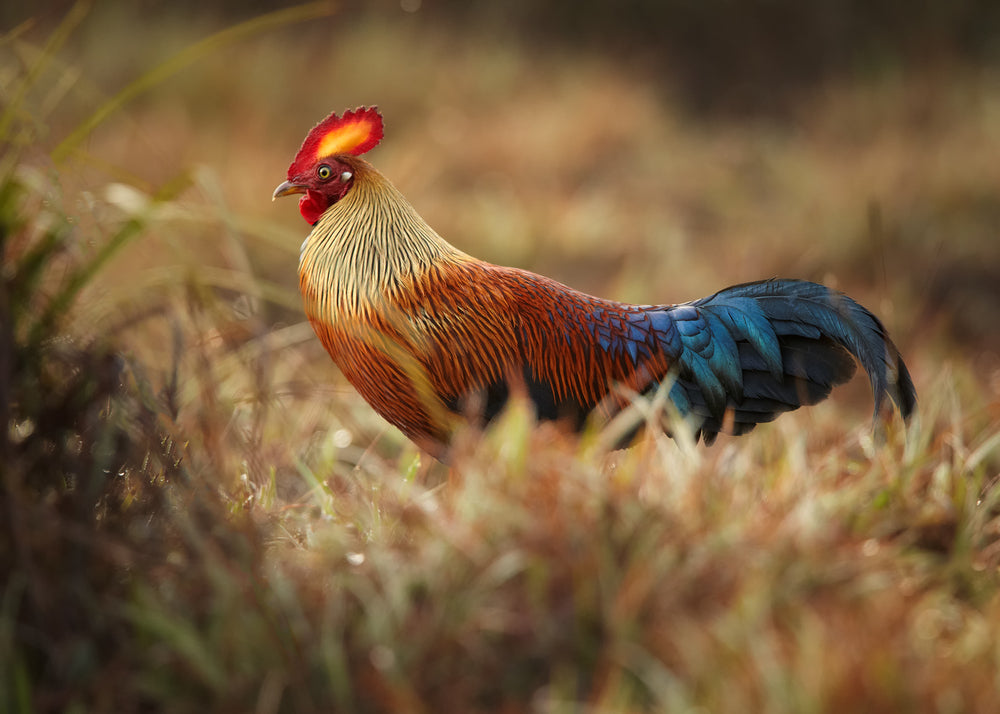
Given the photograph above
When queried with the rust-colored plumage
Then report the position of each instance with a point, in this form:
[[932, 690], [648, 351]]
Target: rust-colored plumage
[[429, 335]]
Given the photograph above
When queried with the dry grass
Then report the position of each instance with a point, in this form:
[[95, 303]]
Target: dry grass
[[199, 514]]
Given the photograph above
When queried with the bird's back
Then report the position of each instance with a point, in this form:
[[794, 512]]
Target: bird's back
[[460, 337]]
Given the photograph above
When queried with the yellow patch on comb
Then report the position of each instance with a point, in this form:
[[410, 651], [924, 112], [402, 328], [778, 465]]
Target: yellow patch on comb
[[342, 140], [357, 132]]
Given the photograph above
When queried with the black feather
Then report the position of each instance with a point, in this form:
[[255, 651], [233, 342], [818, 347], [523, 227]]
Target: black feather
[[819, 333]]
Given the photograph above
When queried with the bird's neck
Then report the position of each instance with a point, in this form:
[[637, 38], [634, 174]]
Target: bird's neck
[[365, 248]]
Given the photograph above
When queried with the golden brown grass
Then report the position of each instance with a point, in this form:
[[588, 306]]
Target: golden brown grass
[[200, 515]]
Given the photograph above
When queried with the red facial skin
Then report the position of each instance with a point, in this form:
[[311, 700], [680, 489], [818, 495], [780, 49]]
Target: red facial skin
[[324, 181], [322, 193]]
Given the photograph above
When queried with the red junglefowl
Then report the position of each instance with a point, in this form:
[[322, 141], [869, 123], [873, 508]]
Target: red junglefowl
[[430, 336]]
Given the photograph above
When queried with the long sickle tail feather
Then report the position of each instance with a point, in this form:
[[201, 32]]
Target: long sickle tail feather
[[753, 351]]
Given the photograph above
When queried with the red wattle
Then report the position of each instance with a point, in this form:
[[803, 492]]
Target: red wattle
[[312, 205]]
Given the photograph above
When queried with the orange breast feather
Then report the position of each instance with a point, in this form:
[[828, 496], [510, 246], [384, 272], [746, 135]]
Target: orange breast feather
[[465, 334]]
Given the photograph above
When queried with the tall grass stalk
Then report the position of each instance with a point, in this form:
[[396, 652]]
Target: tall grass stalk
[[185, 58]]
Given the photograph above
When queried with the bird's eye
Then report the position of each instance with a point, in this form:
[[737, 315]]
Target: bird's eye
[[324, 172], [346, 176]]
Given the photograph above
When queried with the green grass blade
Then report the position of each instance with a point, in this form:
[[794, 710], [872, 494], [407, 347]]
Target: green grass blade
[[56, 41], [184, 58], [79, 279]]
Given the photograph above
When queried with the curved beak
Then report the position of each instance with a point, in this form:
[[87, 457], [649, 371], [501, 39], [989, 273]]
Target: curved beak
[[287, 189]]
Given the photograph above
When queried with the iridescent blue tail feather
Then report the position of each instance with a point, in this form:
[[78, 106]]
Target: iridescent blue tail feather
[[750, 352]]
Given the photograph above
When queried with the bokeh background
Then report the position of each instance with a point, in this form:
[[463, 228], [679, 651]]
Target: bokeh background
[[649, 151], [199, 509]]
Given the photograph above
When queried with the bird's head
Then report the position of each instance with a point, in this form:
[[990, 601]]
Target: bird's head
[[323, 170]]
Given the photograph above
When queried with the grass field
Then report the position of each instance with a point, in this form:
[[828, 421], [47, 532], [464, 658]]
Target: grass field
[[199, 514]]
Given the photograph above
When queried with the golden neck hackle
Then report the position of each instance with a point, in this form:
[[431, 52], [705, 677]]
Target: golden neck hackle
[[365, 248]]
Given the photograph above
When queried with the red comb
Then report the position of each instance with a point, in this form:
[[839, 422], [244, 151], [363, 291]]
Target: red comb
[[358, 131]]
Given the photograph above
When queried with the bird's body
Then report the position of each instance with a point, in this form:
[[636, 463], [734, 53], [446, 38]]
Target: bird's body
[[429, 335]]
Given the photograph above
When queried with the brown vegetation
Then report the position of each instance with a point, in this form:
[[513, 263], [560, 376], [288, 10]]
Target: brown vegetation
[[198, 514]]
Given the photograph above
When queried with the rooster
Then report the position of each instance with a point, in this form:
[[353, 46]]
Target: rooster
[[431, 336]]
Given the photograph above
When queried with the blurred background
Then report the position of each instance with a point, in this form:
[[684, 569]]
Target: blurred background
[[645, 151], [198, 510]]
